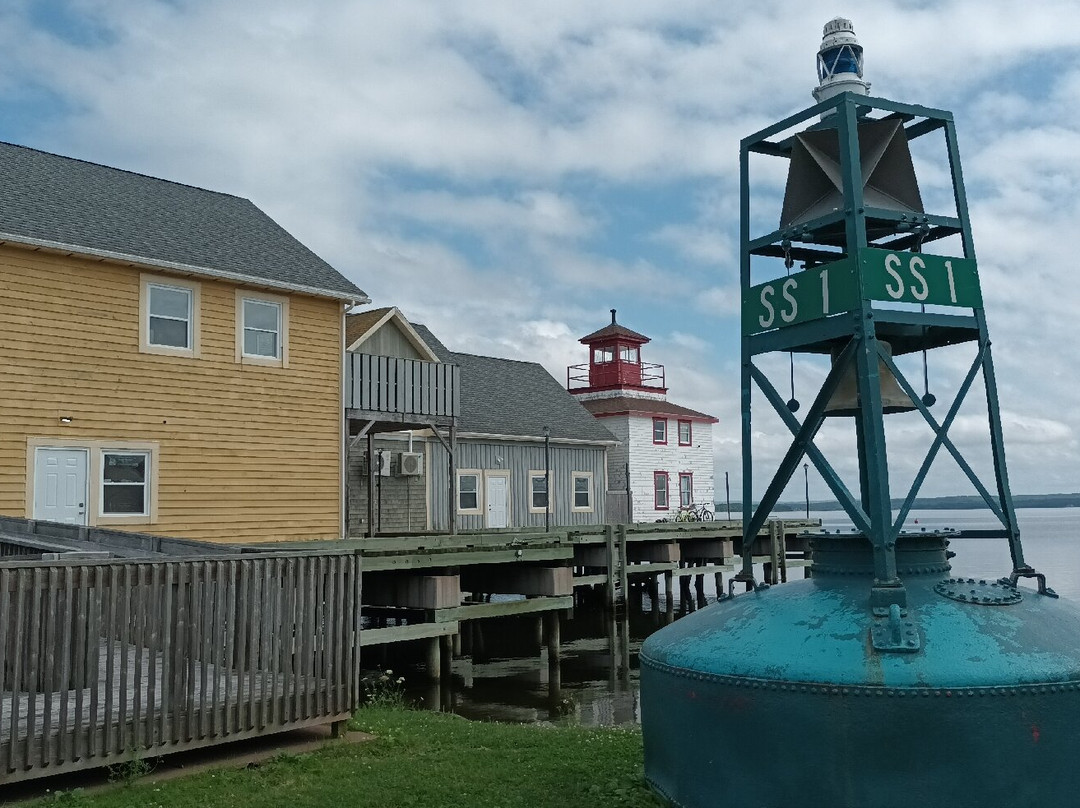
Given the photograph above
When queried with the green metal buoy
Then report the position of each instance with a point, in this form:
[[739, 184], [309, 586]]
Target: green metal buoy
[[883, 679]]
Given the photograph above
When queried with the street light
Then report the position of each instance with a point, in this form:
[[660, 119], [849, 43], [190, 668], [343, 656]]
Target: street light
[[806, 481], [727, 490], [547, 480]]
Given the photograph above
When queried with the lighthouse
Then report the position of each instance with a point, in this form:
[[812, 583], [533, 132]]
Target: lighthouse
[[888, 678], [663, 463]]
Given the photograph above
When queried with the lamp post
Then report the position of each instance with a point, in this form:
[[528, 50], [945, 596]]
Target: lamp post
[[806, 482], [727, 491], [547, 479]]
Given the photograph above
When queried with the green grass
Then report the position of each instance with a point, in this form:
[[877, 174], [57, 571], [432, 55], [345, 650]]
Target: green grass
[[419, 759]]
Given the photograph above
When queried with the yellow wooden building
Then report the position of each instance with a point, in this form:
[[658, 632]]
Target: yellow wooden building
[[171, 360]]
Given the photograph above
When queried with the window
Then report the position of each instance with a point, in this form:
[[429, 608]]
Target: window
[[660, 490], [262, 332], [602, 355], [659, 430], [686, 490], [169, 314], [469, 492], [685, 433], [538, 492], [123, 483], [628, 354], [582, 481]]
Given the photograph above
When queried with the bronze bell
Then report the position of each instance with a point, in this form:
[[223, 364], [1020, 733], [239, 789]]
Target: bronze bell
[[845, 400]]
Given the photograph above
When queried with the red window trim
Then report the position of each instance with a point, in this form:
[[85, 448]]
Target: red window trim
[[655, 421], [689, 432], [690, 476], [656, 475]]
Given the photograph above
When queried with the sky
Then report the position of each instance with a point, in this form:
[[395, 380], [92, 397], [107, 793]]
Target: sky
[[507, 172]]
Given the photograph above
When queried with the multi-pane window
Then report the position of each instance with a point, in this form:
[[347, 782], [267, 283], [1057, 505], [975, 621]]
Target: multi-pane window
[[659, 430], [685, 434], [660, 490], [468, 492], [123, 483], [627, 354], [603, 355], [169, 310], [262, 328], [582, 491], [686, 490], [538, 491]]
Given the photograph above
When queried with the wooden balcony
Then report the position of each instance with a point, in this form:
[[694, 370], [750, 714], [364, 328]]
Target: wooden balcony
[[401, 390]]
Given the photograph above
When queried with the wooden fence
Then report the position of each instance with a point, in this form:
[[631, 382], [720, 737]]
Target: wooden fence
[[103, 661], [402, 386]]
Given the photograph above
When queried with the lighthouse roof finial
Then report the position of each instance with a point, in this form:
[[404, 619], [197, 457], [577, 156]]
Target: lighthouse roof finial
[[613, 316]]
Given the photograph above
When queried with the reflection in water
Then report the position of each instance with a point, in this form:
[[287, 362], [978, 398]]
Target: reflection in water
[[507, 677]]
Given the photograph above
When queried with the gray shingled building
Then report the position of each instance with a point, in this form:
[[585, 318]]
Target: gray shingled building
[[502, 455]]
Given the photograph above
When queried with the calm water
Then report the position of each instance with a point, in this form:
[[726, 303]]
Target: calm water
[[598, 681]]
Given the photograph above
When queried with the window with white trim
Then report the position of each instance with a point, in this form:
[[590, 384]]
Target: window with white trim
[[468, 487], [686, 490], [262, 329], [659, 430], [582, 482], [125, 479], [660, 490], [169, 313], [539, 492], [686, 433]]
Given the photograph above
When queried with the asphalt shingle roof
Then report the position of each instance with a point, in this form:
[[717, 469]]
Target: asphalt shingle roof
[[631, 405], [510, 397], [61, 201]]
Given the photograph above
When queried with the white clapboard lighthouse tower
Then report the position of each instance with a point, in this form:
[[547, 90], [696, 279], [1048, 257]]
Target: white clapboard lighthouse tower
[[664, 460]]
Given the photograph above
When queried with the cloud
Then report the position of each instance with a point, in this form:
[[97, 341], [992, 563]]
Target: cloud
[[507, 172]]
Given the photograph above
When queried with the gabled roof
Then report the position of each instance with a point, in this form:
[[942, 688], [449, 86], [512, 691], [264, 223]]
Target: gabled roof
[[506, 397], [55, 202], [360, 327], [632, 405]]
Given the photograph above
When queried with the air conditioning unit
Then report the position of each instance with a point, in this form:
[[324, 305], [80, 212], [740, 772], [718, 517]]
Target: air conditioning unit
[[412, 464], [382, 463]]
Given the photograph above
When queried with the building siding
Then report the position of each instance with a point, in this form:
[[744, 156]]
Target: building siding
[[647, 458], [246, 452], [519, 459], [400, 501]]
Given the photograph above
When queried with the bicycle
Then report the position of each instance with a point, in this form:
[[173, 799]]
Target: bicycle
[[693, 513]]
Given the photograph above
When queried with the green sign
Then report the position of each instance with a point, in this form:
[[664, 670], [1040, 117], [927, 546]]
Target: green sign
[[807, 295], [899, 277], [906, 277]]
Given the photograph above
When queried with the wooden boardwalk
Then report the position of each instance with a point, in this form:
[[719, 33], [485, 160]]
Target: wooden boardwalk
[[104, 661]]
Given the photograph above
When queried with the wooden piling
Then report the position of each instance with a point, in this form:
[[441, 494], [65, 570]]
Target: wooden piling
[[609, 591], [623, 562]]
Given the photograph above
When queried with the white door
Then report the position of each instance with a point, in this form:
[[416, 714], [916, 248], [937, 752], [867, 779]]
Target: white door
[[498, 512], [60, 485]]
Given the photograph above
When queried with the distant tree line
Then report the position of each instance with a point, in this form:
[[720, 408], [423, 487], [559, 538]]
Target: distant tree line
[[957, 503]]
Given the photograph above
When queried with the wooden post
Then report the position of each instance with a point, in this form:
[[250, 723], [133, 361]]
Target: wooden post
[[623, 564], [453, 482], [446, 657], [457, 643], [774, 553], [371, 485], [609, 594], [699, 587], [551, 631], [431, 654], [669, 594], [686, 600], [782, 533]]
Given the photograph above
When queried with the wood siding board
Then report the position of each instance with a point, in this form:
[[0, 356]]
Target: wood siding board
[[197, 399]]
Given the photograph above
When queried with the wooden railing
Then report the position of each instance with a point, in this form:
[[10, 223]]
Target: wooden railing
[[104, 661], [401, 386]]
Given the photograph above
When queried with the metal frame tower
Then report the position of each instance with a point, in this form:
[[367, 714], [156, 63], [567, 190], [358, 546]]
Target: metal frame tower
[[862, 296]]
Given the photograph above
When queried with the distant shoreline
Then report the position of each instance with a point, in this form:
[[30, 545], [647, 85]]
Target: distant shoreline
[[956, 503]]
